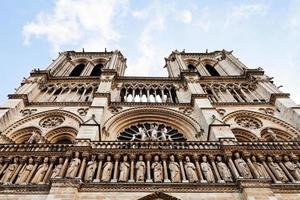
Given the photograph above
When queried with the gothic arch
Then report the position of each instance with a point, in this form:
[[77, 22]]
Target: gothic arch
[[242, 135], [62, 133], [268, 121], [22, 135], [28, 121], [280, 135], [117, 123]]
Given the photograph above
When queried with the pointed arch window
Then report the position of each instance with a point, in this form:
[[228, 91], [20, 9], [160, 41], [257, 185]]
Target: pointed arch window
[[212, 71], [77, 70], [97, 70]]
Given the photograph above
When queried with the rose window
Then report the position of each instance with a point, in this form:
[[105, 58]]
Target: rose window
[[150, 132], [52, 121], [248, 122]]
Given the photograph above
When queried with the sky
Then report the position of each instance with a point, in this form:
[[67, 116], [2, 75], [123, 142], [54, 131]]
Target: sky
[[262, 33]]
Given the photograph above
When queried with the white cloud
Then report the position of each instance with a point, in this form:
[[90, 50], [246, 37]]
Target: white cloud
[[77, 22], [245, 11], [138, 14], [185, 16]]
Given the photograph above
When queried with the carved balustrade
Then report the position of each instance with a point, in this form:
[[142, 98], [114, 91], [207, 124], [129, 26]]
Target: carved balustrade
[[185, 163]]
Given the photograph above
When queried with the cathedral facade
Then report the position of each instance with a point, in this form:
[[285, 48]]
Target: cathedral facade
[[212, 129]]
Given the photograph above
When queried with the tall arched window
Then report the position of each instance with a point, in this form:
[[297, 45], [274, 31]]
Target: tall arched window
[[77, 70], [96, 70], [192, 68], [212, 71]]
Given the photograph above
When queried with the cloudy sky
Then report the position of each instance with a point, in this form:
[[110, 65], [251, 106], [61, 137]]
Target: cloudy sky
[[262, 33]]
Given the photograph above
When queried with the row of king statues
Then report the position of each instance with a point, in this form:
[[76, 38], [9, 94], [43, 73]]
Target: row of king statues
[[148, 168]]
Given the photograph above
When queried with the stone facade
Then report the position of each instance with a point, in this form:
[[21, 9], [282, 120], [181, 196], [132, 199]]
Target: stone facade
[[213, 129]]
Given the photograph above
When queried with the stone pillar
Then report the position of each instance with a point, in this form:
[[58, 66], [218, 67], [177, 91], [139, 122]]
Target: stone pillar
[[99, 170], [184, 180], [196, 158], [115, 176], [132, 159], [47, 175], [64, 167], [148, 159], [166, 176], [82, 167], [37, 161], [262, 159], [232, 166], [21, 165], [251, 166], [279, 160], [212, 161]]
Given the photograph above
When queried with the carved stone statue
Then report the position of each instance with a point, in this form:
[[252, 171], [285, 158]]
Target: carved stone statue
[[143, 134], [140, 167], [25, 171], [9, 172], [90, 169], [224, 170], [272, 134], [157, 170], [242, 166], [190, 170], [292, 167], [262, 172], [41, 171], [277, 171], [207, 171], [34, 138], [154, 131], [57, 169], [174, 170], [124, 170], [73, 166], [107, 170]]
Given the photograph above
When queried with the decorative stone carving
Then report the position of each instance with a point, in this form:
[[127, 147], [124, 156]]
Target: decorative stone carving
[[260, 168], [90, 169], [224, 170], [150, 132], [157, 170], [57, 169], [9, 172], [82, 111], [28, 112], [41, 171], [73, 166], [248, 122], [277, 171], [51, 121], [107, 170], [174, 170], [124, 169], [292, 168], [207, 170], [242, 166], [25, 172], [140, 169], [190, 170], [34, 138]]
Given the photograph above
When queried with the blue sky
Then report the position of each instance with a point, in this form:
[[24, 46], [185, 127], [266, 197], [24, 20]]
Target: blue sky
[[262, 34]]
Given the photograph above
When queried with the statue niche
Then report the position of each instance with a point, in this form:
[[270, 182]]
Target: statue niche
[[150, 132]]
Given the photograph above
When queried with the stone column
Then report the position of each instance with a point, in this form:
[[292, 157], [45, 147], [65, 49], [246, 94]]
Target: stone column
[[148, 159], [184, 180], [251, 166], [83, 164], [37, 161], [164, 158], [21, 165], [99, 170], [7, 161], [132, 159], [47, 175], [212, 161], [196, 158], [262, 159], [279, 160], [232, 166], [65, 165], [115, 176]]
